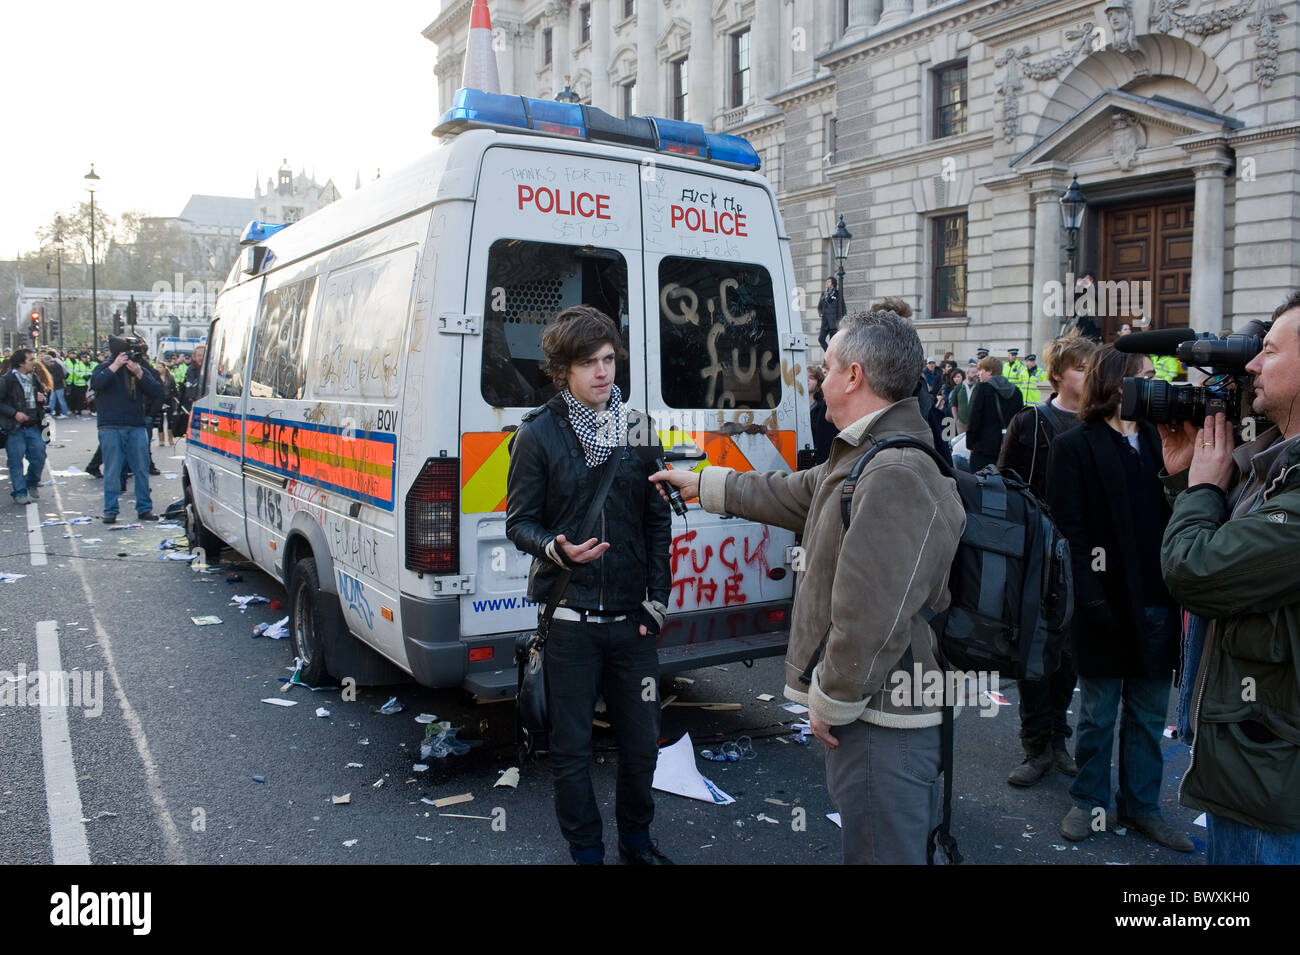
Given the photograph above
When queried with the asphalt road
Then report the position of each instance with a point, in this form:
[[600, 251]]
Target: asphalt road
[[185, 764]]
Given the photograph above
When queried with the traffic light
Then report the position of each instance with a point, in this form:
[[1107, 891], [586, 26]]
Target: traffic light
[[36, 324], [117, 322], [132, 311]]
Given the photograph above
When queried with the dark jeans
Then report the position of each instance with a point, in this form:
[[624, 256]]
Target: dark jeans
[[1141, 762], [1043, 705], [613, 660]]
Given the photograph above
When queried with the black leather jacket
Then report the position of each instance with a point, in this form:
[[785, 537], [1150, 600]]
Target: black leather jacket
[[549, 491]]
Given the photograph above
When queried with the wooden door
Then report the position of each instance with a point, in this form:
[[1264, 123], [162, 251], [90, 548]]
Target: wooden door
[[1148, 243]]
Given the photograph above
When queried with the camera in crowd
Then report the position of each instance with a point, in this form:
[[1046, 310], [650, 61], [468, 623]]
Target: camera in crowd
[[1223, 359], [135, 348]]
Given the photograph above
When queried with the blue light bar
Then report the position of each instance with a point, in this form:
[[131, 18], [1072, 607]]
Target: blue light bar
[[257, 230], [476, 109]]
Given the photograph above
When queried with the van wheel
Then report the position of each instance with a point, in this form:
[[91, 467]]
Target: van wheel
[[197, 534], [314, 620]]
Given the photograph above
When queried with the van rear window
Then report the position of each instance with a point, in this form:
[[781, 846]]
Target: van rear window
[[718, 340], [527, 284]]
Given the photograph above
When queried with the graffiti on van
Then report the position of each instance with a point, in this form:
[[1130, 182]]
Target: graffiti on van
[[355, 546], [706, 571], [352, 593]]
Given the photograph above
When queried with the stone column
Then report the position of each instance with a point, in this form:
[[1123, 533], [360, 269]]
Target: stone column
[[508, 58], [601, 95], [1049, 265], [649, 77], [874, 10], [573, 34], [1207, 248], [765, 41], [859, 11], [701, 79], [896, 11]]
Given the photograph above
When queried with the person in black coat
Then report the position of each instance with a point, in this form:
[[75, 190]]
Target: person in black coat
[[992, 406], [823, 430], [831, 309], [1106, 497]]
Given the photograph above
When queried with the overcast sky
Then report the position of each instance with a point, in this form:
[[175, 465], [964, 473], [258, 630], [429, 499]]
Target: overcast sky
[[169, 99]]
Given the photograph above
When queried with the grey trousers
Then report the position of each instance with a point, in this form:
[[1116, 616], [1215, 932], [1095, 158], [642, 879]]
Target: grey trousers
[[888, 787]]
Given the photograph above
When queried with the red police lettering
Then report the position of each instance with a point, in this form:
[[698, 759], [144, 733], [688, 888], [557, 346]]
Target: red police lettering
[[564, 203], [709, 220]]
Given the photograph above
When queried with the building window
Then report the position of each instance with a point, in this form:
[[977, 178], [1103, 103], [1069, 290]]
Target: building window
[[546, 47], [740, 68], [950, 100], [832, 138], [628, 94], [680, 90], [844, 16], [629, 8], [584, 24], [948, 253]]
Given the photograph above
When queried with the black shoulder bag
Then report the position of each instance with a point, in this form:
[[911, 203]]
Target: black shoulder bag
[[532, 721]]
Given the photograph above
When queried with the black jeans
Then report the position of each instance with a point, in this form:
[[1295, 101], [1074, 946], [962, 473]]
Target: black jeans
[[1043, 705], [584, 660]]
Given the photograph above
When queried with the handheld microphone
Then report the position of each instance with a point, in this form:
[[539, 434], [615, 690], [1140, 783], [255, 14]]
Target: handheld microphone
[[649, 457], [1162, 342]]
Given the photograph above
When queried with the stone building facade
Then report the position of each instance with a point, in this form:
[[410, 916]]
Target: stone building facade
[[944, 134]]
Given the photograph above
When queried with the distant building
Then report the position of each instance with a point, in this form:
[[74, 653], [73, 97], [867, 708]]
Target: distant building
[[945, 132]]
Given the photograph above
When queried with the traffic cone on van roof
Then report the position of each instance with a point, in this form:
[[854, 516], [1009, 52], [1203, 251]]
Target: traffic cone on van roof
[[480, 71]]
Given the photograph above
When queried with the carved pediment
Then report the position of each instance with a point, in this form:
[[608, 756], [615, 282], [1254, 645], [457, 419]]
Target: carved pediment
[[1121, 125]]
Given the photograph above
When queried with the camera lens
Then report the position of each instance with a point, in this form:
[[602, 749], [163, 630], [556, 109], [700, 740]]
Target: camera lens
[[1147, 400]]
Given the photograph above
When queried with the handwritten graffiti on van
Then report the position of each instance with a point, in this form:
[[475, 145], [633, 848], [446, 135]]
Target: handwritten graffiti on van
[[355, 546], [352, 594], [706, 571]]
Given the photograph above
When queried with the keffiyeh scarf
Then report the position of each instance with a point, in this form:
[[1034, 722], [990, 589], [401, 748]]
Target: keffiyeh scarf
[[599, 433]]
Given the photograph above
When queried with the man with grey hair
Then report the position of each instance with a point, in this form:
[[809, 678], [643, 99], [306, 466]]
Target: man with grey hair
[[859, 635]]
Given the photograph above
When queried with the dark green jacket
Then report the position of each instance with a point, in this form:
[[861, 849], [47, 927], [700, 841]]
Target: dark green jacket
[[1244, 576]]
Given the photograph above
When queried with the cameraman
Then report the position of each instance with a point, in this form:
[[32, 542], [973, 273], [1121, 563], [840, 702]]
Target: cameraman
[[124, 388], [1231, 555]]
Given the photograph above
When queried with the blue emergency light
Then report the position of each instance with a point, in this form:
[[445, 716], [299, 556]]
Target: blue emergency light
[[257, 230], [476, 109]]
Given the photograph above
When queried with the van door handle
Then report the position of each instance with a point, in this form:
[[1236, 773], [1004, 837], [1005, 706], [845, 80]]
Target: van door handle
[[270, 477]]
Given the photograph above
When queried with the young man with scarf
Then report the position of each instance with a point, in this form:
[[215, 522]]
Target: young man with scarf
[[22, 410], [601, 640]]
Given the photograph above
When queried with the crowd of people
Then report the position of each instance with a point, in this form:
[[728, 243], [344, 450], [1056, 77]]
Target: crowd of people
[[134, 403]]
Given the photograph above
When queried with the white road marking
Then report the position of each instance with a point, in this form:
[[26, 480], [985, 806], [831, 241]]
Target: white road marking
[[62, 798], [34, 533]]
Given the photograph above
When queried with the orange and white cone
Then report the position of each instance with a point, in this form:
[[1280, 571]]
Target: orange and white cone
[[480, 71]]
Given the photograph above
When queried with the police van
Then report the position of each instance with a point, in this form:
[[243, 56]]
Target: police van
[[367, 365]]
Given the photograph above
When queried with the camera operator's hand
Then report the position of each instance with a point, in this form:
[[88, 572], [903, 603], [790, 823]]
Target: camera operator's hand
[[1212, 461], [1178, 442], [133, 368], [119, 360]]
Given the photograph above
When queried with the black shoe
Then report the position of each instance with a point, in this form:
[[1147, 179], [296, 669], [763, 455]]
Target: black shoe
[[110, 518], [95, 472], [147, 516], [154, 471], [648, 856]]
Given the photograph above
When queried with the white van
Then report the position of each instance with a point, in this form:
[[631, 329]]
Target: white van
[[367, 365]]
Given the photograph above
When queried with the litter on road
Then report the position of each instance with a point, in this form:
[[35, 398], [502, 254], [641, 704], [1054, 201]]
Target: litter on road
[[322, 712], [509, 778], [208, 621], [272, 631], [394, 705], [280, 701], [675, 772], [343, 800], [446, 801]]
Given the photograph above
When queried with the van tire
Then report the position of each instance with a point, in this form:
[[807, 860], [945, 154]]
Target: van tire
[[197, 534], [314, 620]]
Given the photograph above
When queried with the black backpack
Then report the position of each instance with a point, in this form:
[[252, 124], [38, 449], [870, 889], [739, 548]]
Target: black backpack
[[1011, 583]]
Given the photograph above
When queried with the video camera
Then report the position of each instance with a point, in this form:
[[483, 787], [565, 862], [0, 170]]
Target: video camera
[[1223, 359], [135, 348]]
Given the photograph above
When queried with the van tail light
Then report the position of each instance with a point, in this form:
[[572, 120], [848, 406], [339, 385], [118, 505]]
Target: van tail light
[[432, 518], [803, 460]]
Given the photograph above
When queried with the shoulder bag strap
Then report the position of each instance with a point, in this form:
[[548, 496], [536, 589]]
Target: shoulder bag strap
[[588, 525]]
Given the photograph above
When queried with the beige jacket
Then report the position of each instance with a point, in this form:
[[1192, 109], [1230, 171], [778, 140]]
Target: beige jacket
[[864, 591]]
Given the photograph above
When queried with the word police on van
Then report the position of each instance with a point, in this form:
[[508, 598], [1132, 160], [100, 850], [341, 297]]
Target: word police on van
[[368, 364]]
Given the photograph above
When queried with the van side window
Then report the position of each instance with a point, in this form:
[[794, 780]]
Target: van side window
[[527, 284], [718, 339], [356, 343], [229, 352], [280, 358]]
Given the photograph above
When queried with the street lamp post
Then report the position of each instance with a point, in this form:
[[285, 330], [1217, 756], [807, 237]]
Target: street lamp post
[[1072, 206], [840, 245], [92, 183], [58, 247]]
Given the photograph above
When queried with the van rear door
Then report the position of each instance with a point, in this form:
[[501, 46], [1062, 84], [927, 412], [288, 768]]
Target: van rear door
[[551, 230], [724, 363]]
